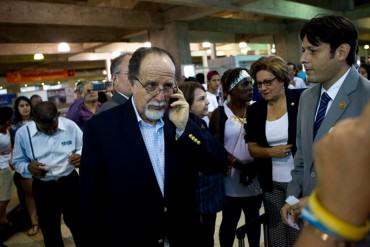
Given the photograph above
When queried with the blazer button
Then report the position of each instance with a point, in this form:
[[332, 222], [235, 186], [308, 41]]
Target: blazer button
[[313, 174], [165, 209]]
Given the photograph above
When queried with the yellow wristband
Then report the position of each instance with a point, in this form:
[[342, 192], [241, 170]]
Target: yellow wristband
[[346, 230]]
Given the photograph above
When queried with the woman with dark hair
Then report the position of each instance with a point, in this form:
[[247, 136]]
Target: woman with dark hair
[[242, 190], [210, 188], [271, 132], [23, 114]]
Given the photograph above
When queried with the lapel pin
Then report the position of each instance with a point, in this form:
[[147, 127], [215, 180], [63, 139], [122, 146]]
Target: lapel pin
[[342, 105]]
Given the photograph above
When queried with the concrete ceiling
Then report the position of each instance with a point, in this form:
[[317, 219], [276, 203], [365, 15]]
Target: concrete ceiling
[[31, 26]]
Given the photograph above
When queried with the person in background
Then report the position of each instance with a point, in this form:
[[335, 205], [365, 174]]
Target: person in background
[[5, 174], [364, 70], [210, 187], [295, 81], [213, 82], [302, 74], [48, 149], [5, 157], [23, 115], [271, 136], [83, 109], [243, 193], [335, 156], [35, 99], [121, 85]]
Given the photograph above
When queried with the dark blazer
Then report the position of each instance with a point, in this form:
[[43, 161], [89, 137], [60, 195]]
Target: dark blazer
[[121, 202], [116, 100], [255, 132]]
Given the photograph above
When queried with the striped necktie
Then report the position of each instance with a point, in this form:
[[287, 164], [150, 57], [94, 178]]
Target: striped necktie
[[325, 98]]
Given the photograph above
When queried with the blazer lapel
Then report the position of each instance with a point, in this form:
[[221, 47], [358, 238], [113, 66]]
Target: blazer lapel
[[309, 114], [340, 103]]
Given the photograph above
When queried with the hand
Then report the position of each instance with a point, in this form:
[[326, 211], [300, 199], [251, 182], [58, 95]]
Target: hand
[[179, 111], [280, 151], [74, 159], [293, 210], [342, 161], [37, 169]]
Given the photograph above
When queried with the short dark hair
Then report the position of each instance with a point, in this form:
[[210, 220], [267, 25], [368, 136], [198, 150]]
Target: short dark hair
[[188, 89], [334, 30], [35, 96], [116, 62], [17, 114], [6, 114], [275, 65], [139, 55], [45, 112], [200, 78]]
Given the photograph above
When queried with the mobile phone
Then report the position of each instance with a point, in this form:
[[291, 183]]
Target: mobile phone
[[171, 100]]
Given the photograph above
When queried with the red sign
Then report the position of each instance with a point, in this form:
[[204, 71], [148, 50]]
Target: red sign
[[38, 75]]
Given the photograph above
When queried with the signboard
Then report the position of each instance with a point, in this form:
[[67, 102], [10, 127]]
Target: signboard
[[33, 75]]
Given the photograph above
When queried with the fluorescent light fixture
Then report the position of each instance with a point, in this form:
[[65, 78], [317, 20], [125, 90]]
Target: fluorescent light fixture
[[206, 44], [38, 56], [243, 45], [116, 54], [64, 47], [273, 49]]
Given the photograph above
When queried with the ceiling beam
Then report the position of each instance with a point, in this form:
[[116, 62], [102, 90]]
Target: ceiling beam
[[23, 12], [125, 4], [10, 33], [277, 8], [235, 26], [186, 13]]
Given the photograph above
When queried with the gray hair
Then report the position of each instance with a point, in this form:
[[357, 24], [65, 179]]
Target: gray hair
[[116, 62]]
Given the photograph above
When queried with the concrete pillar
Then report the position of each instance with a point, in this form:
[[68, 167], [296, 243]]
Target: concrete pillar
[[288, 45], [174, 39]]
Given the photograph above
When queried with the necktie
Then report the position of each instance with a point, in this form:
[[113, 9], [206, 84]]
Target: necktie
[[325, 98]]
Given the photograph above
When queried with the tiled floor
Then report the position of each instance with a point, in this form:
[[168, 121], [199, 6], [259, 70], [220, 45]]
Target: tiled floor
[[21, 239]]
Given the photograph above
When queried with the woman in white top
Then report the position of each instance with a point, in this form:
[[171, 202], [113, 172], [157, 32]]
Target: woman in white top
[[242, 189], [22, 115], [271, 131]]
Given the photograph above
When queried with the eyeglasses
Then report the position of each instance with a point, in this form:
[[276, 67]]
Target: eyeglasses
[[266, 83], [153, 86]]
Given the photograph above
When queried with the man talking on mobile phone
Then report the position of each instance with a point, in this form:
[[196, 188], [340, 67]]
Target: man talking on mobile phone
[[140, 163]]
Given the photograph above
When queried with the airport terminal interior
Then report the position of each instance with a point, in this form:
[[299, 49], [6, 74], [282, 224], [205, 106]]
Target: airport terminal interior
[[47, 46]]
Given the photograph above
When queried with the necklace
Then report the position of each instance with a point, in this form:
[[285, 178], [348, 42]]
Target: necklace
[[239, 120]]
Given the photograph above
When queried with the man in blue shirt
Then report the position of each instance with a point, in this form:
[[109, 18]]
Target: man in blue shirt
[[48, 149]]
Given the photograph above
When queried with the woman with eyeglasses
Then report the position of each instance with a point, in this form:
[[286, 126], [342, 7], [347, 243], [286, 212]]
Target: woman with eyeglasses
[[271, 133], [242, 190]]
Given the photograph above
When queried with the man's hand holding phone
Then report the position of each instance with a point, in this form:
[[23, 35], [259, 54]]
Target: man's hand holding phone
[[37, 169], [178, 109]]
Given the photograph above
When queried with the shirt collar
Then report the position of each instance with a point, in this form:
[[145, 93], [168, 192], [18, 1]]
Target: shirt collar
[[33, 129], [123, 95], [333, 90], [138, 117]]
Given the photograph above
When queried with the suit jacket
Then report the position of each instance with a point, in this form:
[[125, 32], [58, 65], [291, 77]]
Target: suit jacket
[[121, 202], [351, 99], [256, 132], [116, 100]]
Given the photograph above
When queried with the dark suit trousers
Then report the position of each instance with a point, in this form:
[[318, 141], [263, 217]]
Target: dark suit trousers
[[54, 198]]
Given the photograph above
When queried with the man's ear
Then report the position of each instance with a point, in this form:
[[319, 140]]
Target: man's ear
[[341, 53]]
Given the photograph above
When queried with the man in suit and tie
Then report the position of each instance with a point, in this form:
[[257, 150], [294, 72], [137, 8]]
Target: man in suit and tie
[[140, 162], [121, 85], [329, 45]]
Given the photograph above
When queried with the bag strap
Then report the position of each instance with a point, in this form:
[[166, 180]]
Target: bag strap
[[29, 138]]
